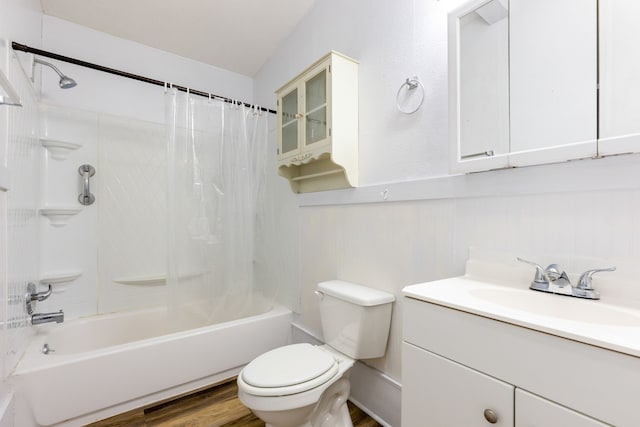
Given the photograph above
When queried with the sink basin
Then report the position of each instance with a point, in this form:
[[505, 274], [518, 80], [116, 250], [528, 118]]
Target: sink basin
[[558, 306], [597, 323]]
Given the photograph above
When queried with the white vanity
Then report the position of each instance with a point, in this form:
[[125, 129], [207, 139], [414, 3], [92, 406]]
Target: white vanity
[[479, 351]]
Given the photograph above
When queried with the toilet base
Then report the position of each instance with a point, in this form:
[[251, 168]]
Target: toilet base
[[330, 411]]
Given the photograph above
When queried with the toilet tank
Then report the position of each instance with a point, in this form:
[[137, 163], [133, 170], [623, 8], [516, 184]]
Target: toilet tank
[[355, 318]]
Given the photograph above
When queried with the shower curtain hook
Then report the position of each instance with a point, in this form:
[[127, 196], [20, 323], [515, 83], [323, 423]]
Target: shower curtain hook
[[165, 87]]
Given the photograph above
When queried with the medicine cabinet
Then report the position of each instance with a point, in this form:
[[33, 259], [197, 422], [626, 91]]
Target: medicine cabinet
[[318, 126], [524, 78]]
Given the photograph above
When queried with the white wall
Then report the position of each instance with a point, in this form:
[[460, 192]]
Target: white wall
[[392, 40], [101, 92], [411, 221]]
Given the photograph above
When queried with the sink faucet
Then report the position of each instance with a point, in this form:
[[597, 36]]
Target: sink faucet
[[556, 281], [38, 318]]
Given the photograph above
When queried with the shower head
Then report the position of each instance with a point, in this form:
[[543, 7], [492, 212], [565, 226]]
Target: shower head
[[65, 81]]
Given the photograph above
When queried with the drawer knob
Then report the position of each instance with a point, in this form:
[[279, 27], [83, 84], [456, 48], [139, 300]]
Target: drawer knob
[[491, 416]]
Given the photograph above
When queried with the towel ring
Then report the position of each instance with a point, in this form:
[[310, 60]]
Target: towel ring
[[408, 86]]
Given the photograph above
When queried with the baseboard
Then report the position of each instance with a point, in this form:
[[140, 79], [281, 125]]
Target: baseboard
[[371, 390]]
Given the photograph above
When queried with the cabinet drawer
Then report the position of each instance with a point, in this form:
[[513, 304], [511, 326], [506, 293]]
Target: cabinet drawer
[[437, 392], [534, 411]]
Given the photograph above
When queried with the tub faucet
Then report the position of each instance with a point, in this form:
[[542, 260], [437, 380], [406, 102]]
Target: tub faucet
[[39, 318], [32, 297]]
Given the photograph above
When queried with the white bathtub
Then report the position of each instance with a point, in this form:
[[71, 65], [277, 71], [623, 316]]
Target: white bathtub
[[108, 364]]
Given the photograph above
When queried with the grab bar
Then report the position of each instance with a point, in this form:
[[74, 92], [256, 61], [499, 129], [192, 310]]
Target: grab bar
[[86, 198]]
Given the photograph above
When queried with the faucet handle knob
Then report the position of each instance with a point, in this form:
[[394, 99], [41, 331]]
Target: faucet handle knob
[[38, 296], [541, 276], [585, 279]]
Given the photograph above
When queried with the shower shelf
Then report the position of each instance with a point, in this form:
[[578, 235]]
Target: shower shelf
[[58, 149], [59, 217], [158, 280], [63, 277]]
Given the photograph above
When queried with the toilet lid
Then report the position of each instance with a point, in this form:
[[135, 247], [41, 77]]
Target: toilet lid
[[287, 366]]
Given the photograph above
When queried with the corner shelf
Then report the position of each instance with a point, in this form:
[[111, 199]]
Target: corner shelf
[[157, 280], [58, 149], [63, 277], [59, 217]]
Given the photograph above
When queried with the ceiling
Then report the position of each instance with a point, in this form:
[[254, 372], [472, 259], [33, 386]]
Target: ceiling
[[237, 35]]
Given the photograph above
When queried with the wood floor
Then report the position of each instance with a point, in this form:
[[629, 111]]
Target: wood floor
[[217, 406]]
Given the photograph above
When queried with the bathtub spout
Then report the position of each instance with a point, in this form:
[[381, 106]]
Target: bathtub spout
[[39, 318]]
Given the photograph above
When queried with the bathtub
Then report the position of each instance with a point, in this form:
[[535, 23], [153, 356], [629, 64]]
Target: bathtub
[[108, 364]]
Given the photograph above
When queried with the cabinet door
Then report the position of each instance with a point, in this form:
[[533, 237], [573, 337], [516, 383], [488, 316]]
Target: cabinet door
[[437, 392], [533, 411], [316, 128], [288, 124], [619, 82], [553, 80]]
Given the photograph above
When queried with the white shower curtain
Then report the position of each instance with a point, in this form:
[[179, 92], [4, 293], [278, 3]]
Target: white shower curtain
[[217, 163]]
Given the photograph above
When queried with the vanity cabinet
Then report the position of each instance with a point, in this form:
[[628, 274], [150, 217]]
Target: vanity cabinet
[[457, 365], [441, 393], [318, 126]]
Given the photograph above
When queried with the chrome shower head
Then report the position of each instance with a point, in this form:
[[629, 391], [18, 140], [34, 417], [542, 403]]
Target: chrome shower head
[[65, 81]]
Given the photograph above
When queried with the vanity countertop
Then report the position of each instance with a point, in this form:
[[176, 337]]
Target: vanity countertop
[[597, 323]]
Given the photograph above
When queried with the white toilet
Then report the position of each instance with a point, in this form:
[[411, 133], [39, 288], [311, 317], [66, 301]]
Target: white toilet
[[304, 385]]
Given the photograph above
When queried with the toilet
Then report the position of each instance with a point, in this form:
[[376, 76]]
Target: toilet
[[302, 385]]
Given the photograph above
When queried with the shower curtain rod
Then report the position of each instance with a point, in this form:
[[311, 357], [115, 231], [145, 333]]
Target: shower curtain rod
[[28, 49]]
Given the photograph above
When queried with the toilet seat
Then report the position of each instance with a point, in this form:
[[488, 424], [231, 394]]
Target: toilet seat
[[288, 370]]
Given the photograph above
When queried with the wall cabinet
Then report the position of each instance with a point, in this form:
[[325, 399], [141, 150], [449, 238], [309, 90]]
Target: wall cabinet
[[619, 115], [318, 126], [457, 366], [542, 81]]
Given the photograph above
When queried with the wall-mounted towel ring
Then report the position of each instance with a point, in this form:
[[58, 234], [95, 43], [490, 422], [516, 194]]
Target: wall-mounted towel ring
[[408, 99]]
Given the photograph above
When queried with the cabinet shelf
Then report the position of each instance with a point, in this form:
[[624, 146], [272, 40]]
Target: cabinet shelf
[[317, 175]]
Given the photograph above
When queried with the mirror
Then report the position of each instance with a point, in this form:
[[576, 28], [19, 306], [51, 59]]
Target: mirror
[[522, 82]]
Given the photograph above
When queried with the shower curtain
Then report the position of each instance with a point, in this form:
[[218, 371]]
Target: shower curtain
[[217, 157]]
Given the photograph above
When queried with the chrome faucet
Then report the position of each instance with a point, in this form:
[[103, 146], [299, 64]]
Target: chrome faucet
[[556, 281], [39, 318], [32, 297]]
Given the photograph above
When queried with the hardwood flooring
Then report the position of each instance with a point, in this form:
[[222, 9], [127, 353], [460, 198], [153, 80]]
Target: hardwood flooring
[[217, 406]]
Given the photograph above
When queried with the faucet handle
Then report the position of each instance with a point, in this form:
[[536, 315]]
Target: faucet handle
[[585, 279], [38, 296], [541, 276]]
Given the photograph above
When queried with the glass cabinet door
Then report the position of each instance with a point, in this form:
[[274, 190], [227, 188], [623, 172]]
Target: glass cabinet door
[[316, 108], [289, 129]]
